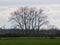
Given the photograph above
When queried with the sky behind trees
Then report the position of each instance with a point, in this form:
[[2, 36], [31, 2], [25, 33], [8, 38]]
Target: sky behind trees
[[51, 7]]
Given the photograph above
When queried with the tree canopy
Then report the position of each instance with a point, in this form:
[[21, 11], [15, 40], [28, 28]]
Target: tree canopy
[[28, 18]]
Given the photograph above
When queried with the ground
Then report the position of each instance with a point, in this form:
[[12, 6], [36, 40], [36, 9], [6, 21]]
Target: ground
[[29, 41]]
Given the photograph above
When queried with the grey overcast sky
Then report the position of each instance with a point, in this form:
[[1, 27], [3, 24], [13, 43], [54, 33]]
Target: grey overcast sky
[[27, 2], [8, 6]]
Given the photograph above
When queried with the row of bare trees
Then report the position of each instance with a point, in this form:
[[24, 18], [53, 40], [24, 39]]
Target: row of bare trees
[[28, 18]]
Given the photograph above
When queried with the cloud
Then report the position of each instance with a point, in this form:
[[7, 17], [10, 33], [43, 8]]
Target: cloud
[[5, 13], [52, 10], [27, 2], [51, 7], [4, 0]]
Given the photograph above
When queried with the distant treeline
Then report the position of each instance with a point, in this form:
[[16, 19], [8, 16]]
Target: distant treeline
[[29, 33]]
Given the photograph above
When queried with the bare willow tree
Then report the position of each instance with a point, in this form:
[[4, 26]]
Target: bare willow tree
[[29, 18]]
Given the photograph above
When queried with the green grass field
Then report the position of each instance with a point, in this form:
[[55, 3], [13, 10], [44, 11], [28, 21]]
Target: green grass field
[[29, 41]]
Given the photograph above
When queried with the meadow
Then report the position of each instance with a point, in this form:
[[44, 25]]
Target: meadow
[[29, 41]]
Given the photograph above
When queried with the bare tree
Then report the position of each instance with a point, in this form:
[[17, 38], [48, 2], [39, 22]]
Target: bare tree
[[29, 18]]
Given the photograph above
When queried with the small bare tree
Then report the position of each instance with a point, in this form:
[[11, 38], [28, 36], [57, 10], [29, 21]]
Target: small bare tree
[[29, 18]]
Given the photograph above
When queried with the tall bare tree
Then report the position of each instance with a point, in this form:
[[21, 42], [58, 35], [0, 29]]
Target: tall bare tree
[[29, 18]]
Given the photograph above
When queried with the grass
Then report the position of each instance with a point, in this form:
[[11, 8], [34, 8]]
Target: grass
[[29, 41]]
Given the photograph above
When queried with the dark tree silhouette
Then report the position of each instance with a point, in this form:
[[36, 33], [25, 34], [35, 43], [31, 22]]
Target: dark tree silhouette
[[29, 18]]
